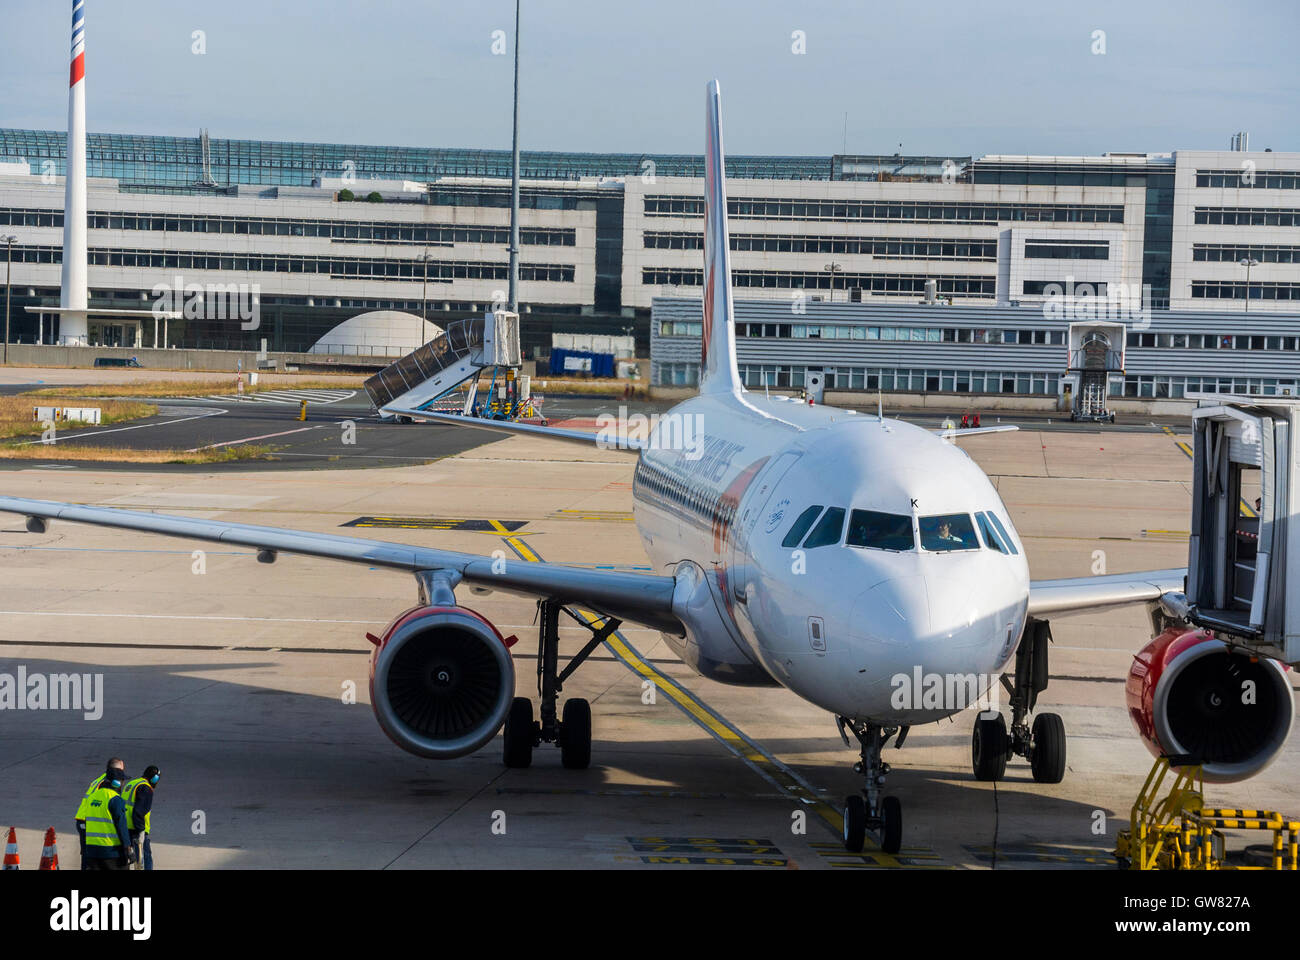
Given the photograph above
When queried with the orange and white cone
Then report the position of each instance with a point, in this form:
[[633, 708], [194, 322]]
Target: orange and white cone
[[50, 853], [11, 850]]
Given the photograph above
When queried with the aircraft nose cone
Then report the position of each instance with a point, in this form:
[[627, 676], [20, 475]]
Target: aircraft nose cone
[[954, 612], [894, 610], [916, 608]]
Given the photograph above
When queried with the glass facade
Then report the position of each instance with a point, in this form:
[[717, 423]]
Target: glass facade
[[178, 164], [883, 211], [902, 379], [1158, 237]]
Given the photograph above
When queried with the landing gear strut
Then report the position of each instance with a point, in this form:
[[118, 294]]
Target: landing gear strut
[[869, 811], [1043, 744], [572, 731]]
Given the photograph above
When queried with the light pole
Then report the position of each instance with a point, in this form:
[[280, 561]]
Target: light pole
[[833, 268], [513, 293], [9, 265], [1248, 262]]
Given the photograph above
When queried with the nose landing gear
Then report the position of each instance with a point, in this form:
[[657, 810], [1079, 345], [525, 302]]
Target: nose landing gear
[[870, 811]]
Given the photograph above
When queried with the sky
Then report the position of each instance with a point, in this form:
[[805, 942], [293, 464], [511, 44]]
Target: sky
[[811, 77]]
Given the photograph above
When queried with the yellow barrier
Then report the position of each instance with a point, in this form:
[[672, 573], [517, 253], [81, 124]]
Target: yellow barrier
[[1155, 839], [1180, 833]]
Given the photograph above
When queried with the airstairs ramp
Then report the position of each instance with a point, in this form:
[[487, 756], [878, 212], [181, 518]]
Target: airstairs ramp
[[464, 349]]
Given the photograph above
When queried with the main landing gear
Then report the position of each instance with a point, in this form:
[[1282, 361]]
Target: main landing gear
[[572, 729], [869, 811], [1043, 744]]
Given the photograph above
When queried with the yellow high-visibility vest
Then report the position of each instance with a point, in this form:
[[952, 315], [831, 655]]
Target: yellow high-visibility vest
[[84, 807], [128, 797], [100, 831]]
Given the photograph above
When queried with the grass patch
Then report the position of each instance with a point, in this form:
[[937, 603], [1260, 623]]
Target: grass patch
[[588, 388], [82, 452], [16, 414], [179, 388]]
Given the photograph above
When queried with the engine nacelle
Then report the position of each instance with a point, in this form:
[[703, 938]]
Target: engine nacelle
[[1189, 693], [441, 681]]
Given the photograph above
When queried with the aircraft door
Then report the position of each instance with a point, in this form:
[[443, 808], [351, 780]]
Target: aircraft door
[[754, 506], [815, 385]]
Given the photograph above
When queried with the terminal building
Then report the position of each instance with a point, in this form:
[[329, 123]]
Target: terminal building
[[611, 244], [927, 349]]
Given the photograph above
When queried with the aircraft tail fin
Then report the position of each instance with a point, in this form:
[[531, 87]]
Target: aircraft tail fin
[[718, 370]]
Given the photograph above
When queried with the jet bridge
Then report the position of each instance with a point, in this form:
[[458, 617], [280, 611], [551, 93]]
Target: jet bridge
[[1245, 516], [463, 350]]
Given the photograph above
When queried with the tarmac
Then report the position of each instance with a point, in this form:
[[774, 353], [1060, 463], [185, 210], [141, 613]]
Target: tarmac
[[248, 684]]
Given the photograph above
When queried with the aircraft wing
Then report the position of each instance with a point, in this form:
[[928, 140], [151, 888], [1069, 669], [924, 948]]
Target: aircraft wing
[[971, 431], [1111, 590], [642, 598], [585, 437]]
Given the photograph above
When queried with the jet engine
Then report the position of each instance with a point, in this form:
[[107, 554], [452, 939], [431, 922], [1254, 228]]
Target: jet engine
[[1189, 693], [441, 681]]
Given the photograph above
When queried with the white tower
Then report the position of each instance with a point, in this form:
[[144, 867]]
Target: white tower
[[73, 325]]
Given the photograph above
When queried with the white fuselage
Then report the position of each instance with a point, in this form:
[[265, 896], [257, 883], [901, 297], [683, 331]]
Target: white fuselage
[[723, 485]]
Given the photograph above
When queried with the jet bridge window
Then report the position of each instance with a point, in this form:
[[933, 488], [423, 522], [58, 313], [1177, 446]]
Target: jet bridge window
[[883, 531], [829, 529], [801, 526], [949, 531]]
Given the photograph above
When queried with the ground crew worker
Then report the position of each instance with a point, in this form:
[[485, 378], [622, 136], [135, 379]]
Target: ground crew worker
[[81, 809], [138, 796], [108, 842]]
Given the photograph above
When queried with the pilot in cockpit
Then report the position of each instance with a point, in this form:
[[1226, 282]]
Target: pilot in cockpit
[[946, 537]]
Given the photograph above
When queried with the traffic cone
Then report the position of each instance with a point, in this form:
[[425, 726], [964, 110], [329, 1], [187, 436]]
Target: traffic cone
[[11, 850], [50, 854]]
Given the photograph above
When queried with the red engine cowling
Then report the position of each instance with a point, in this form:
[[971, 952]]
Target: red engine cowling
[[1189, 693], [441, 681]]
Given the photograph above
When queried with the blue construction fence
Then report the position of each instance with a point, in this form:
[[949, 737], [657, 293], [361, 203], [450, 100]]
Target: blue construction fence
[[581, 363]]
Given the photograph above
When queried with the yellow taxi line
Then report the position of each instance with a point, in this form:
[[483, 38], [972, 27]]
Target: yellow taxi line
[[762, 762]]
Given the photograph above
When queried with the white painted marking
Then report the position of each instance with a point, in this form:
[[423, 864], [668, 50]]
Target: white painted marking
[[265, 436], [142, 426], [210, 501]]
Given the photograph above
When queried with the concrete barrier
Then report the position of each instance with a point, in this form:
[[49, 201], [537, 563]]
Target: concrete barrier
[[226, 361]]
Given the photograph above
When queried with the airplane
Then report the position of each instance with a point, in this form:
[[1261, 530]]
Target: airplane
[[813, 548]]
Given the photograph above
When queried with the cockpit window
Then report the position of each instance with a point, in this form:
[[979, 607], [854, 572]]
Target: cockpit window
[[884, 531], [991, 538], [949, 531], [1006, 537], [801, 526], [828, 530]]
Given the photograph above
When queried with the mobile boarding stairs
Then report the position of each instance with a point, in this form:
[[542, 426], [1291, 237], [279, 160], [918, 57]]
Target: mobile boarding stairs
[[460, 353]]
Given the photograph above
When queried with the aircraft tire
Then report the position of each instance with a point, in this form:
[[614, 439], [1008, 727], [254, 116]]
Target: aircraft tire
[[575, 735], [855, 823], [1047, 757], [891, 825], [989, 748], [517, 736]]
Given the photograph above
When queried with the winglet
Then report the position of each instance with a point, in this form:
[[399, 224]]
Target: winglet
[[718, 371]]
